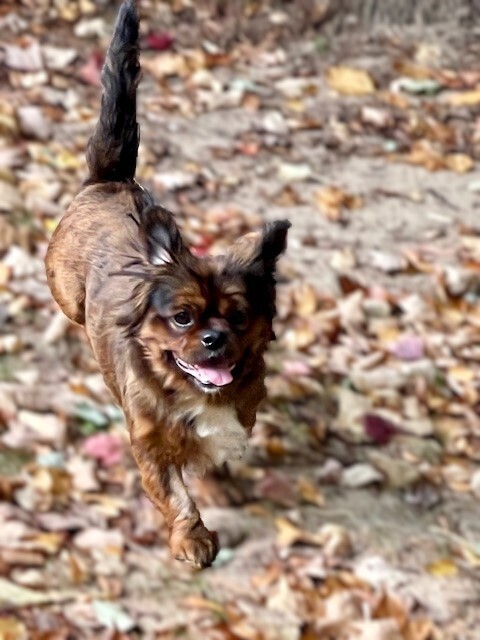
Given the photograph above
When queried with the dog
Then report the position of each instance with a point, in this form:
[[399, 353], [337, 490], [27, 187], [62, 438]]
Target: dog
[[179, 339]]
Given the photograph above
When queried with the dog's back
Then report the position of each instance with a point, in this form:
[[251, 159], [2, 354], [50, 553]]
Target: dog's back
[[97, 225]]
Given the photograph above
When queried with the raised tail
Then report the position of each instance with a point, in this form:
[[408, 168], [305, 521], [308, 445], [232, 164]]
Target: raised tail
[[112, 149]]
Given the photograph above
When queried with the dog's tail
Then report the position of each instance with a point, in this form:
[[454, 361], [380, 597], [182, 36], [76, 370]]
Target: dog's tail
[[112, 150]]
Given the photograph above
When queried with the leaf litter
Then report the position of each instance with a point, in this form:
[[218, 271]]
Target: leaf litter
[[373, 380]]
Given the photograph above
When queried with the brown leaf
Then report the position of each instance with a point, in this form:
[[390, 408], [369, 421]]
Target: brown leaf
[[310, 492]]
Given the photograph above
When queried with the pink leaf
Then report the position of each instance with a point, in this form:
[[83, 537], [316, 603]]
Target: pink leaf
[[91, 71], [295, 368], [408, 347], [159, 41], [107, 448], [276, 487], [379, 429]]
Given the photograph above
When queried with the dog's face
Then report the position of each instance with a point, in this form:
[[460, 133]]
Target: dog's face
[[206, 318]]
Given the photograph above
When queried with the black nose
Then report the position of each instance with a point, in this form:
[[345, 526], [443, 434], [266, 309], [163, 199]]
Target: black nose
[[213, 339]]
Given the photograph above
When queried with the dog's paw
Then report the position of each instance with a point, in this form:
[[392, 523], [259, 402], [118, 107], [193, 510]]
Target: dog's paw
[[199, 546]]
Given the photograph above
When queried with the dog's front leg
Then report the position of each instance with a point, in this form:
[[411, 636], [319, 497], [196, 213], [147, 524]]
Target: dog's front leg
[[162, 481]]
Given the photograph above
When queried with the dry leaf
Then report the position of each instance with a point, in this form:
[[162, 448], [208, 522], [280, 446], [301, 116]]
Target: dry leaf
[[459, 162], [332, 200], [310, 492], [443, 568], [349, 81], [463, 99], [12, 629]]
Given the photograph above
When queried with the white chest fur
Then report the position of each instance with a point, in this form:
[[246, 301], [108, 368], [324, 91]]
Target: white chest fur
[[220, 434]]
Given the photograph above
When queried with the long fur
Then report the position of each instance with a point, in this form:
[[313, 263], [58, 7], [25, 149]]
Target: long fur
[[119, 267], [112, 150]]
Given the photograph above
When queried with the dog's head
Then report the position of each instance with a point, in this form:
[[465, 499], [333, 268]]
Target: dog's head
[[206, 318]]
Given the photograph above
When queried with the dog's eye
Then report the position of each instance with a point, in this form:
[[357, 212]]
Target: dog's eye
[[239, 318], [183, 319]]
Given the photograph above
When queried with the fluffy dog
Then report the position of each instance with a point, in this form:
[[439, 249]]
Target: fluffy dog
[[179, 339]]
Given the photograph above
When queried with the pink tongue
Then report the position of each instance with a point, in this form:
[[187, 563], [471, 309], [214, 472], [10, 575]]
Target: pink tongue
[[218, 377]]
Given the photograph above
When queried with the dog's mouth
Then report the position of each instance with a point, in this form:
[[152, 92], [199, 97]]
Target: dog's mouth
[[210, 377]]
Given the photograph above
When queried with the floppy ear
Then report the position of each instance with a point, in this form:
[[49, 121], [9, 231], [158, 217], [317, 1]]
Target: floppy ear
[[161, 235]]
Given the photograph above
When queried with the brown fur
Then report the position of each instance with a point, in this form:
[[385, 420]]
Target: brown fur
[[119, 267]]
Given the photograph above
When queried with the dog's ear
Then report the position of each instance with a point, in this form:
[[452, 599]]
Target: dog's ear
[[161, 236], [260, 250], [273, 243]]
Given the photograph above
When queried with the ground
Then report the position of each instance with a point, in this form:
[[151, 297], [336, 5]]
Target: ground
[[355, 511]]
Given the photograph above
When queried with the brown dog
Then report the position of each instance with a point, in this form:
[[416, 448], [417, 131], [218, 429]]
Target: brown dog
[[179, 339]]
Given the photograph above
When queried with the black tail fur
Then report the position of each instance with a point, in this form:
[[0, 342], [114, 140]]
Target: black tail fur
[[112, 150]]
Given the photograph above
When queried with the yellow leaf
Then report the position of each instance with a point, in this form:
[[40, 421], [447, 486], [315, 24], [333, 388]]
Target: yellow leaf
[[50, 224], [350, 82], [461, 373], [306, 300], [288, 533], [459, 162], [12, 629], [445, 568], [464, 98], [67, 160], [296, 105], [5, 272], [48, 542]]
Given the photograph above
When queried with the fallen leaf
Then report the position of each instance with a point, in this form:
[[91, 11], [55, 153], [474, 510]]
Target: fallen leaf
[[277, 487], [90, 73], [107, 448], [387, 261], [445, 568], [45, 427], [159, 41], [24, 58], [408, 347], [361, 475], [288, 533], [165, 65], [12, 629], [336, 541], [14, 595], [379, 429], [332, 201], [310, 492], [375, 630], [459, 162], [349, 81], [57, 58], [294, 172], [420, 86], [111, 616], [93, 538], [463, 99]]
